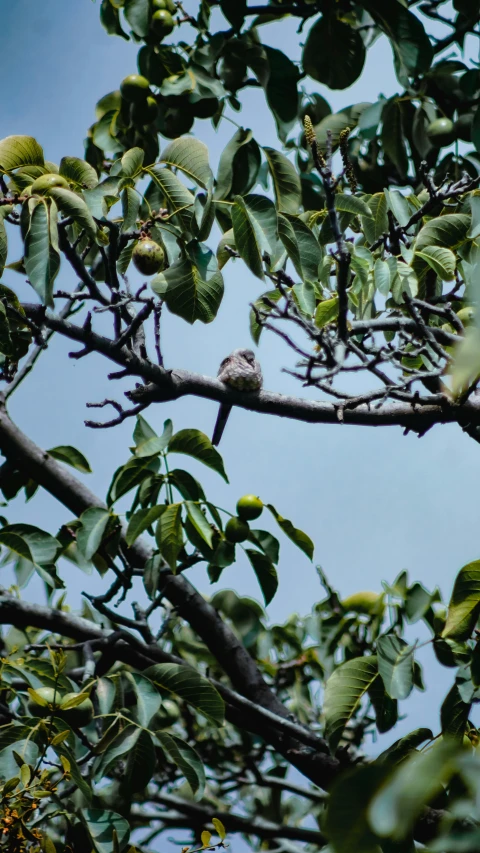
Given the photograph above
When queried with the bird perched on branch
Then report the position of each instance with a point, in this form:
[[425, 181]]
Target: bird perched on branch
[[241, 371]]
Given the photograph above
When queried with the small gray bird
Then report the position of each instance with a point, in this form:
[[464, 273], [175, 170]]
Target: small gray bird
[[239, 370]]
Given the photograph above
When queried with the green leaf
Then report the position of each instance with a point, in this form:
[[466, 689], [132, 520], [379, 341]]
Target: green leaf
[[395, 665], [401, 800], [220, 829], [247, 240], [130, 207], [265, 572], [374, 228], [199, 522], [42, 258], [399, 206], [130, 475], [147, 696], [232, 159], [234, 11], [441, 260], [30, 542], [302, 246], [101, 824], [74, 206], [188, 486], [3, 246], [190, 686], [93, 523], [402, 747], [137, 13], [281, 90], [381, 275], [17, 151], [393, 138], [132, 162], [187, 293], [78, 172], [347, 814], [168, 534], [326, 312], [141, 521], [140, 765], [97, 197], [194, 443], [286, 182], [185, 757], [70, 456], [464, 606], [298, 537], [454, 714], [344, 692], [474, 202], [268, 543], [449, 230], [386, 708], [334, 53], [147, 442], [352, 204], [191, 157], [110, 20], [177, 197], [226, 242], [412, 49], [464, 371]]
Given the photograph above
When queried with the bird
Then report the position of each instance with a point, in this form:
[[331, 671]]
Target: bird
[[241, 371]]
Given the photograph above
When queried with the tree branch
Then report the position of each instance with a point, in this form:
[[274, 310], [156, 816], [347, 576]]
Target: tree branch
[[172, 384]]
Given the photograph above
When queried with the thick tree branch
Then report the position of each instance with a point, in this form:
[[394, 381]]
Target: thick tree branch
[[167, 385]]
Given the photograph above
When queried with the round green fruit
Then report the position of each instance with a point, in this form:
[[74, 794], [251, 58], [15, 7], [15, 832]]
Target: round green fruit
[[236, 530], [169, 5], [466, 315], [78, 716], [463, 127], [162, 23], [441, 132], [50, 695], [45, 183], [168, 714], [363, 602], [148, 257], [249, 507], [135, 88], [205, 107], [146, 112]]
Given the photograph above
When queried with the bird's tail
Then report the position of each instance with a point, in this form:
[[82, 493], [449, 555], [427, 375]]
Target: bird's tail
[[221, 422]]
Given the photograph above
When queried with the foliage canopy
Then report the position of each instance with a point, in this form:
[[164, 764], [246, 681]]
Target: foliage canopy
[[362, 228]]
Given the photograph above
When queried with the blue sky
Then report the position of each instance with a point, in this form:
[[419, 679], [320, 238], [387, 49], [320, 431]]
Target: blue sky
[[374, 502]]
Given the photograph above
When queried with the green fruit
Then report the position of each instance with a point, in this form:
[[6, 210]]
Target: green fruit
[[236, 530], [50, 695], [175, 121], [45, 183], [441, 132], [249, 507], [162, 23], [146, 112], [168, 714], [165, 4], [363, 602], [148, 257], [135, 88], [463, 127], [78, 716], [205, 107], [466, 315]]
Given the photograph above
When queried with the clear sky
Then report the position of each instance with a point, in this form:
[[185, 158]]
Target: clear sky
[[374, 502]]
